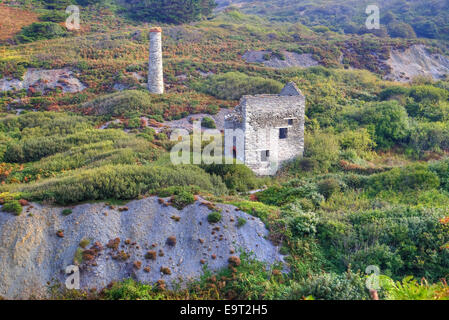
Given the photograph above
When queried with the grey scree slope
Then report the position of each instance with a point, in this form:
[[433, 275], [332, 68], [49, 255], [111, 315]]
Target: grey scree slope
[[31, 253]]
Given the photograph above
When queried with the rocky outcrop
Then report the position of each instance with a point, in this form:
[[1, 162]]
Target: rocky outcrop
[[287, 60], [146, 240], [416, 61], [41, 80]]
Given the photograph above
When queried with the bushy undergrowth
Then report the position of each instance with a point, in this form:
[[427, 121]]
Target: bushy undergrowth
[[40, 31], [12, 206], [119, 182], [119, 103], [233, 85], [236, 176], [400, 241], [34, 149]]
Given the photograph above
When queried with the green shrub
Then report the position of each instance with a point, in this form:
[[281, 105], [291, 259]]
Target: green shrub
[[78, 257], [257, 209], [394, 91], [33, 149], [410, 289], [416, 177], [236, 176], [174, 11], [40, 31], [119, 103], [241, 222], [183, 199], [303, 223], [207, 122], [429, 136], [328, 187], [233, 85], [393, 238], [428, 93], [54, 16], [66, 212], [12, 206], [290, 192], [176, 190], [302, 165], [120, 182], [323, 148], [381, 255], [401, 30], [35, 124], [441, 168], [331, 286], [214, 217], [130, 289], [358, 140], [84, 243], [389, 120]]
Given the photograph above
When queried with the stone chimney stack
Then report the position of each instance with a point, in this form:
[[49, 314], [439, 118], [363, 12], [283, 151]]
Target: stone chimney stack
[[155, 69]]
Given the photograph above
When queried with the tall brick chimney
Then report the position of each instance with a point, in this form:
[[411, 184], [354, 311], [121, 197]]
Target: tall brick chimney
[[155, 69]]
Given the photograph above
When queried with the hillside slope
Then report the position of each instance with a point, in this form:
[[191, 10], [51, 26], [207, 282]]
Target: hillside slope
[[427, 18]]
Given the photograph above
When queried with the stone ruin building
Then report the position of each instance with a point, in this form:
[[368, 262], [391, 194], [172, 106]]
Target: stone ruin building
[[272, 127]]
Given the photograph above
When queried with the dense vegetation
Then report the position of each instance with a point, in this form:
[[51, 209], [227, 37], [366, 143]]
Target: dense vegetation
[[371, 189], [399, 18], [170, 11]]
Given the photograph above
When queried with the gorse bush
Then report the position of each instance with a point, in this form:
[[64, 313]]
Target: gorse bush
[[43, 124], [303, 223], [54, 16], [131, 290], [358, 197], [119, 103], [429, 136], [120, 182], [233, 85], [290, 192], [33, 149], [207, 122], [330, 286], [412, 289], [393, 239], [389, 121], [66, 212], [12, 206], [322, 148], [241, 222], [416, 177], [236, 176], [441, 168], [214, 217], [169, 11], [41, 31], [358, 140], [328, 187], [183, 199]]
